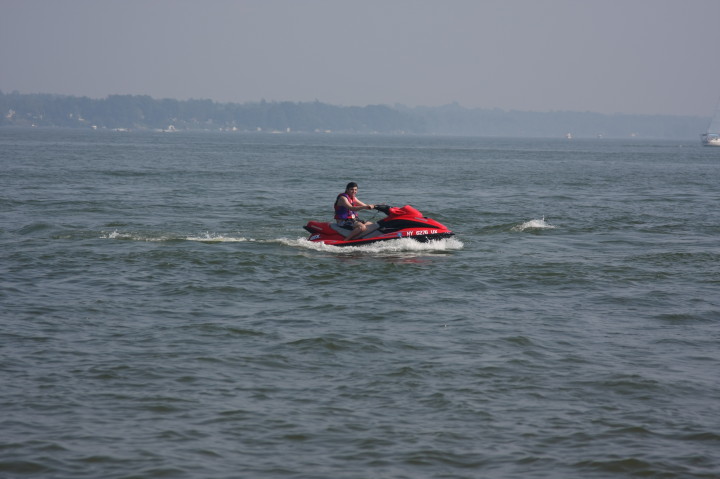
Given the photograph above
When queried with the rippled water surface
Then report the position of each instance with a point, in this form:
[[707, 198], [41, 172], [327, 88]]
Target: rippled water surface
[[163, 315]]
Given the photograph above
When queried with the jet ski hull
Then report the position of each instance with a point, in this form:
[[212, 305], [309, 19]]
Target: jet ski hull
[[405, 222]]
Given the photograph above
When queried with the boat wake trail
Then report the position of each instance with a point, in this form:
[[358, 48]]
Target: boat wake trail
[[162, 237], [390, 246]]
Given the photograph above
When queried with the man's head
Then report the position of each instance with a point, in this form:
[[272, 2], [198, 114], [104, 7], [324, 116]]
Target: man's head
[[351, 188]]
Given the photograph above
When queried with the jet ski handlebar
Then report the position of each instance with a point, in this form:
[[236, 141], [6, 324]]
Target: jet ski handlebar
[[383, 209]]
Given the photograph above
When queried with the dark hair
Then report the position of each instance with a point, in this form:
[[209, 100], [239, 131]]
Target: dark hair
[[352, 184]]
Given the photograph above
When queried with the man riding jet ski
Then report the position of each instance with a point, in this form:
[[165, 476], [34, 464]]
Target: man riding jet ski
[[346, 207], [348, 230]]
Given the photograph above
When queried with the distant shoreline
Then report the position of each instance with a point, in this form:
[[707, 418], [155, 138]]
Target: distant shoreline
[[133, 112]]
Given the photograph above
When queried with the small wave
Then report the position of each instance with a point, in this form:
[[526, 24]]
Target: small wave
[[533, 224], [34, 228], [389, 246]]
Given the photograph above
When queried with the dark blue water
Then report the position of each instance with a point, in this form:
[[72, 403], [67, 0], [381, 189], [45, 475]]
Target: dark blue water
[[163, 316]]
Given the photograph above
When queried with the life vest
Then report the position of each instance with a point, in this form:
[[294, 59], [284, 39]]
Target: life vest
[[342, 212]]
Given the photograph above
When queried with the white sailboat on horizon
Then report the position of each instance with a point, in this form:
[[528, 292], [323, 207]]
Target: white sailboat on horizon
[[712, 136]]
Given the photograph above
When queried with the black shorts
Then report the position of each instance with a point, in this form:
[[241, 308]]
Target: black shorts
[[348, 224]]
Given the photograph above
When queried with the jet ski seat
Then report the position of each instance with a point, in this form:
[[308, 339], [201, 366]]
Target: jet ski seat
[[343, 231]]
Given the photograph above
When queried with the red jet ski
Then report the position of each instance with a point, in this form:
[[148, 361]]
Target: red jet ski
[[405, 222]]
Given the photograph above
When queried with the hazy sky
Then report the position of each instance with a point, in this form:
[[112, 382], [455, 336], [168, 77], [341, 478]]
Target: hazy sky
[[608, 56]]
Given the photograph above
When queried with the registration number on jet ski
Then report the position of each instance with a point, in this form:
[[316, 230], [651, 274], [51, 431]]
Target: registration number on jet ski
[[421, 232]]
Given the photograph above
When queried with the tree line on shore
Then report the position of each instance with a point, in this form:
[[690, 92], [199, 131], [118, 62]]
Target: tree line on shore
[[145, 112]]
